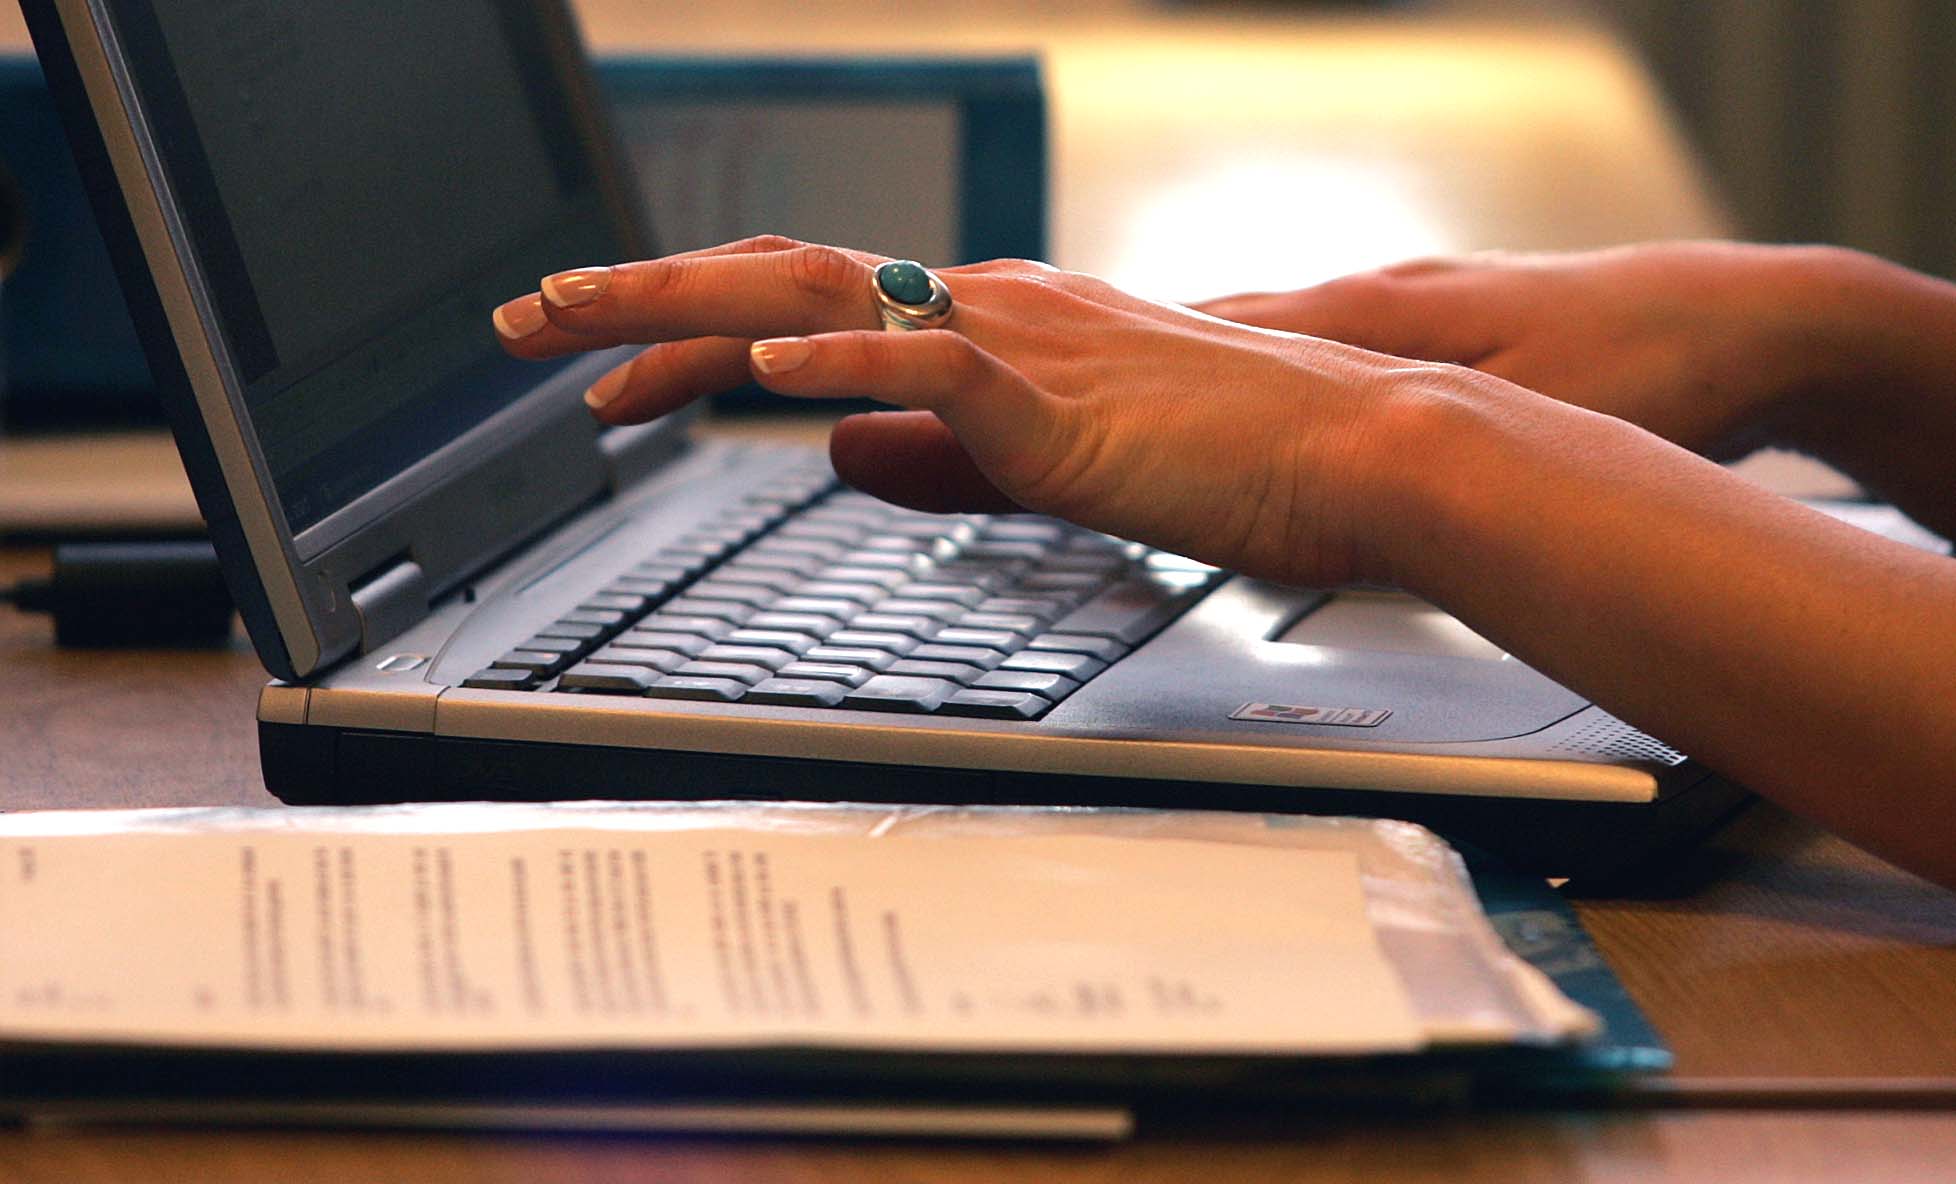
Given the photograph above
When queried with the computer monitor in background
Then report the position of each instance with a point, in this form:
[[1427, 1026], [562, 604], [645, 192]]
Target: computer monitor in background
[[942, 160]]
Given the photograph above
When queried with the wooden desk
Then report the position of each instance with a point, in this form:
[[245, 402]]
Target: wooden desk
[[1776, 952]]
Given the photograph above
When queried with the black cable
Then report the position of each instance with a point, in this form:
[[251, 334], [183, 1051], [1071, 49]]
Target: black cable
[[133, 594]]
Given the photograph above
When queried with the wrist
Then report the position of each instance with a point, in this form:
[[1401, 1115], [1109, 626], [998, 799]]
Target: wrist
[[1444, 453], [1844, 333]]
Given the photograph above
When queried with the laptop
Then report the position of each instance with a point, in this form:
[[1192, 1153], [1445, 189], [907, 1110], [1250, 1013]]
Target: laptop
[[465, 589]]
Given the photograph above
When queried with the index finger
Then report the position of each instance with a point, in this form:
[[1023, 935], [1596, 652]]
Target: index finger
[[798, 289]]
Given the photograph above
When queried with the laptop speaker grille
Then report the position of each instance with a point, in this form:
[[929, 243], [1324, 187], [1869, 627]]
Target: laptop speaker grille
[[1609, 737]]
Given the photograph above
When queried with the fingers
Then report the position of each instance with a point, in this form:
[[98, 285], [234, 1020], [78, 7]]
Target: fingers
[[1436, 310], [804, 290], [912, 459], [1006, 426], [664, 378], [581, 309]]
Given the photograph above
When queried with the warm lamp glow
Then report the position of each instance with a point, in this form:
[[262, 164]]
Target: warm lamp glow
[[1274, 223]]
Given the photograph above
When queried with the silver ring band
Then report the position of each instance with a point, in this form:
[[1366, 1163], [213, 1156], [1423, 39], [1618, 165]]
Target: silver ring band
[[894, 286]]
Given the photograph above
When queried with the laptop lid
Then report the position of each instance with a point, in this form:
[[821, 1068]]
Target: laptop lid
[[313, 208]]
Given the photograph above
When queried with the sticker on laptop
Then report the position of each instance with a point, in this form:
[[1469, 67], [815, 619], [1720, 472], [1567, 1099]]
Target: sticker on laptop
[[1291, 713]]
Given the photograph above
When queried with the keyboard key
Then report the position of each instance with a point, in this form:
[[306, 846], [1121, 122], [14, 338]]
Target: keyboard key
[[758, 577], [608, 618], [779, 639], [1074, 666], [677, 569], [610, 679], [819, 548], [1104, 648], [757, 655], [575, 630], [797, 692], [956, 672], [810, 623], [533, 661], [1097, 562], [646, 639], [663, 661], [975, 574], [1062, 581], [1130, 611], [822, 606], [872, 639], [1184, 580], [682, 686], [608, 601], [663, 622], [799, 564], [876, 660], [859, 595], [970, 655], [1043, 607], [996, 639], [1043, 683], [916, 626], [704, 547], [959, 594], [846, 533], [743, 672], [553, 645], [1024, 530], [1008, 622], [881, 577], [902, 562], [1006, 549], [501, 679], [717, 589], [889, 692], [1163, 561], [725, 610], [936, 610], [994, 705], [847, 674]]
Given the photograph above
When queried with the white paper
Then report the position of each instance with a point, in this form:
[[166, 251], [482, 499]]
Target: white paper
[[280, 935]]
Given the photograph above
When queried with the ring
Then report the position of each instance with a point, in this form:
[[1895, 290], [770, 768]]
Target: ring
[[910, 296]]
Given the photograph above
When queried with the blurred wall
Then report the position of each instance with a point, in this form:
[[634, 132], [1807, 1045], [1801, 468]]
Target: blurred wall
[[1828, 120]]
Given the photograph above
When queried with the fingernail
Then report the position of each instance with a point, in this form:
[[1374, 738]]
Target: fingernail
[[519, 318], [568, 289], [778, 354], [605, 389]]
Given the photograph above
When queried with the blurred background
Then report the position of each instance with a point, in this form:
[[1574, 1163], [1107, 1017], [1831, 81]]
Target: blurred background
[[1186, 149]]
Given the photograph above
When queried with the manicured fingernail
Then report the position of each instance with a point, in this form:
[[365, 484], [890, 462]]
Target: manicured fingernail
[[605, 389], [780, 353], [568, 289], [519, 318]]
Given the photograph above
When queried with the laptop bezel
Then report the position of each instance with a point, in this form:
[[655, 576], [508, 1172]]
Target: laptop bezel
[[419, 533]]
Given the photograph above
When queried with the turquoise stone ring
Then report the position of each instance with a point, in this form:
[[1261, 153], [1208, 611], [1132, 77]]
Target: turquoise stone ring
[[910, 296]]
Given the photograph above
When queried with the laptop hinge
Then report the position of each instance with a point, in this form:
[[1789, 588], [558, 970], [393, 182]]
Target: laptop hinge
[[389, 600]]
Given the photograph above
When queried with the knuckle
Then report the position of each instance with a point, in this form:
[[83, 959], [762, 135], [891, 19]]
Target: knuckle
[[956, 356], [823, 272], [764, 244]]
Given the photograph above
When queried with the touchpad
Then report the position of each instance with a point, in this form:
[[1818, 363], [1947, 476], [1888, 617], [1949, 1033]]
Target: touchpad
[[1389, 622]]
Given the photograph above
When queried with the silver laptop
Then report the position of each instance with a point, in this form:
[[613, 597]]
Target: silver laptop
[[466, 589]]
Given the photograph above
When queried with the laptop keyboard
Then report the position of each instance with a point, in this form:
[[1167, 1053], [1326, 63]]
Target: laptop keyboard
[[809, 595]]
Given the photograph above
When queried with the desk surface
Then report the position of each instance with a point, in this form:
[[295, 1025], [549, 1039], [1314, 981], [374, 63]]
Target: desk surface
[[1776, 952]]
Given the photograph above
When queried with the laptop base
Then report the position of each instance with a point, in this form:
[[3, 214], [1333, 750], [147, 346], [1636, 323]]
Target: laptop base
[[1601, 842]]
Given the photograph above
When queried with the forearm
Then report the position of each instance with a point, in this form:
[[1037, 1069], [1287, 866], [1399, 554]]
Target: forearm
[[1808, 660]]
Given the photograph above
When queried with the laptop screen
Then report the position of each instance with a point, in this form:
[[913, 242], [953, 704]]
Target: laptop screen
[[361, 182]]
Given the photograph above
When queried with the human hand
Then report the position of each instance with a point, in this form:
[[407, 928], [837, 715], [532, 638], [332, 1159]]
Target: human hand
[[1262, 451], [1705, 344]]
